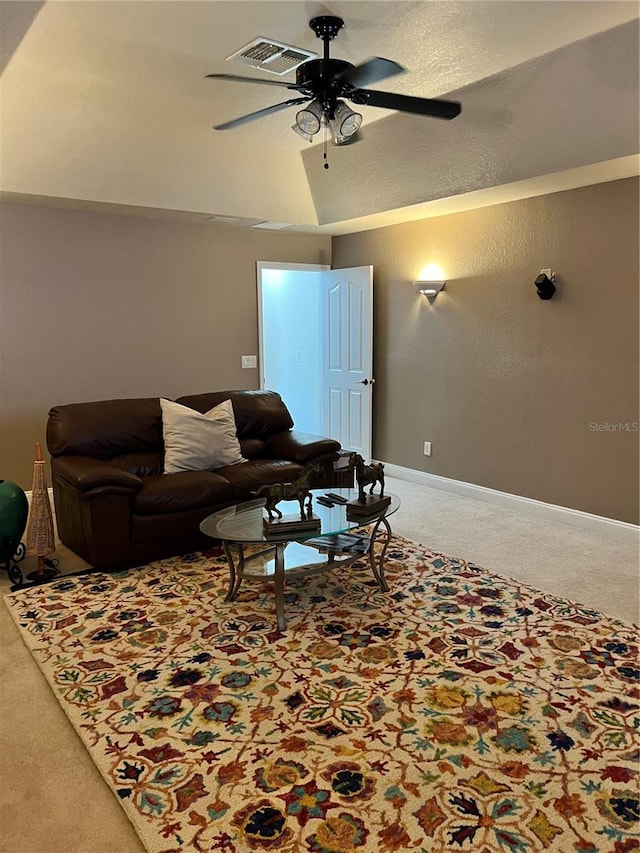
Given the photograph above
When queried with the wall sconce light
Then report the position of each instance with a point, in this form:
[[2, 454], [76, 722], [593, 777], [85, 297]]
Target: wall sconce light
[[430, 289], [546, 284]]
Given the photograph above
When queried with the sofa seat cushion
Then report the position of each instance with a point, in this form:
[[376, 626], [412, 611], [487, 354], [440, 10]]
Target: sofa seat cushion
[[248, 476], [185, 490]]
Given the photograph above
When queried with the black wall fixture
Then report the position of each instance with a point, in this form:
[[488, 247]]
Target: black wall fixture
[[545, 285]]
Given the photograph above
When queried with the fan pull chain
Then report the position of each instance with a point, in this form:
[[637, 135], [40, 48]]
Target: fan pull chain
[[324, 148]]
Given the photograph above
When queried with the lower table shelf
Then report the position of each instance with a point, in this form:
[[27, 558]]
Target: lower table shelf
[[284, 560]]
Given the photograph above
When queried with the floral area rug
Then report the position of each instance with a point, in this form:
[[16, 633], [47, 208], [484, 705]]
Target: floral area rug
[[461, 711]]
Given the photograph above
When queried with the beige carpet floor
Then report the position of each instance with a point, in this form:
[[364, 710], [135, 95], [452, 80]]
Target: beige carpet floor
[[54, 800]]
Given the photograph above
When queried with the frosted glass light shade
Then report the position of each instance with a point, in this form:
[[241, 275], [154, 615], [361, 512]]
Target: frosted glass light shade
[[309, 119], [345, 119]]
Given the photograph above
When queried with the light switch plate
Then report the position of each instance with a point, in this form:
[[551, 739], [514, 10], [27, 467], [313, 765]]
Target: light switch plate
[[249, 361]]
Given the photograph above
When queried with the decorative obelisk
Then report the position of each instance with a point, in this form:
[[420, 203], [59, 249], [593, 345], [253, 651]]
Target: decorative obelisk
[[40, 536]]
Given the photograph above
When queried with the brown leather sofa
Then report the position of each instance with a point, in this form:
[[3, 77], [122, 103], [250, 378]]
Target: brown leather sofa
[[115, 507]]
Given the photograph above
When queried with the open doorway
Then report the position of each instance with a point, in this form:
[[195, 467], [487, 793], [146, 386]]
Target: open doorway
[[315, 345], [290, 347]]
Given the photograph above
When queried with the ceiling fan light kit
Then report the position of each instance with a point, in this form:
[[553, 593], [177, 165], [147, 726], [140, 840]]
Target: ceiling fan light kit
[[308, 137], [309, 119], [327, 82], [345, 121]]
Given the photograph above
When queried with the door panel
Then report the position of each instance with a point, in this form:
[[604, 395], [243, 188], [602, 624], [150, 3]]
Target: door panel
[[355, 320], [334, 328], [335, 412], [357, 404]]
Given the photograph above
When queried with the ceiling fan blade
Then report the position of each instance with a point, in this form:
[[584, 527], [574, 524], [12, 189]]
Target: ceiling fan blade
[[237, 79], [236, 122], [370, 71], [406, 103]]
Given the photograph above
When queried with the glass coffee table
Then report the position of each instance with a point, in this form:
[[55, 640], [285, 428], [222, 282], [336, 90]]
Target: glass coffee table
[[291, 553]]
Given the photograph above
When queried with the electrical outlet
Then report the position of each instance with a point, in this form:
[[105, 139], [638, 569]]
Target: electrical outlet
[[249, 361], [427, 448]]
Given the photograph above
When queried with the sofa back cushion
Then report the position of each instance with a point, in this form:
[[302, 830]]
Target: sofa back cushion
[[117, 428], [252, 448], [140, 464], [106, 428], [258, 414]]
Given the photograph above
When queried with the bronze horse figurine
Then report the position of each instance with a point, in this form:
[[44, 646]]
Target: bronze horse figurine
[[297, 490], [368, 474]]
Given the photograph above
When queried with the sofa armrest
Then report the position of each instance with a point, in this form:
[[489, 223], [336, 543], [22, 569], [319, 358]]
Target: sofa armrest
[[87, 474], [301, 447], [93, 508]]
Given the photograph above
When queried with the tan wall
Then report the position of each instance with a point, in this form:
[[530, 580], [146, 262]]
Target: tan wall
[[98, 306], [504, 385]]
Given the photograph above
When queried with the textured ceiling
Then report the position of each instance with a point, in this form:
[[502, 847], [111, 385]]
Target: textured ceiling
[[106, 103]]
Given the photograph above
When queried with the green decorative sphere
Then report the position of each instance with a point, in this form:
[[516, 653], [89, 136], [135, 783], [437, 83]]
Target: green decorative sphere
[[14, 509]]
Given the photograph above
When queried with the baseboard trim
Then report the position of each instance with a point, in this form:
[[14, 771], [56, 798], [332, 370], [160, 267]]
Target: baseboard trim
[[621, 531]]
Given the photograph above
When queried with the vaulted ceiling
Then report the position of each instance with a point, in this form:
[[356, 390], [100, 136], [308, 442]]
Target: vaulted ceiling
[[106, 103]]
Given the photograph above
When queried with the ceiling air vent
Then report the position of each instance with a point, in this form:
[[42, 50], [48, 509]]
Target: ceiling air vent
[[272, 56], [271, 225]]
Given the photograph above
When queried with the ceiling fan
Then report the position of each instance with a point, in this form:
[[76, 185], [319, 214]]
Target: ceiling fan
[[326, 82]]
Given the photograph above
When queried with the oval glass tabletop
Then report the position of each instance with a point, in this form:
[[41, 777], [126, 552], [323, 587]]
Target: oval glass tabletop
[[244, 522]]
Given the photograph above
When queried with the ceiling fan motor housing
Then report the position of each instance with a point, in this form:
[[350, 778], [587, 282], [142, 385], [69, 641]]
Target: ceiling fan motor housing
[[317, 78], [316, 74]]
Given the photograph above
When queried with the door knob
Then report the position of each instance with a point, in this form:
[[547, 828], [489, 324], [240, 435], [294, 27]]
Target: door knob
[[366, 382]]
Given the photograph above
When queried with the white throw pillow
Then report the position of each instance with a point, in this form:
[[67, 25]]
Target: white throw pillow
[[195, 442]]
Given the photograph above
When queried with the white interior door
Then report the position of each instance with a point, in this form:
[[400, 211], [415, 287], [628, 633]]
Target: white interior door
[[347, 362]]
